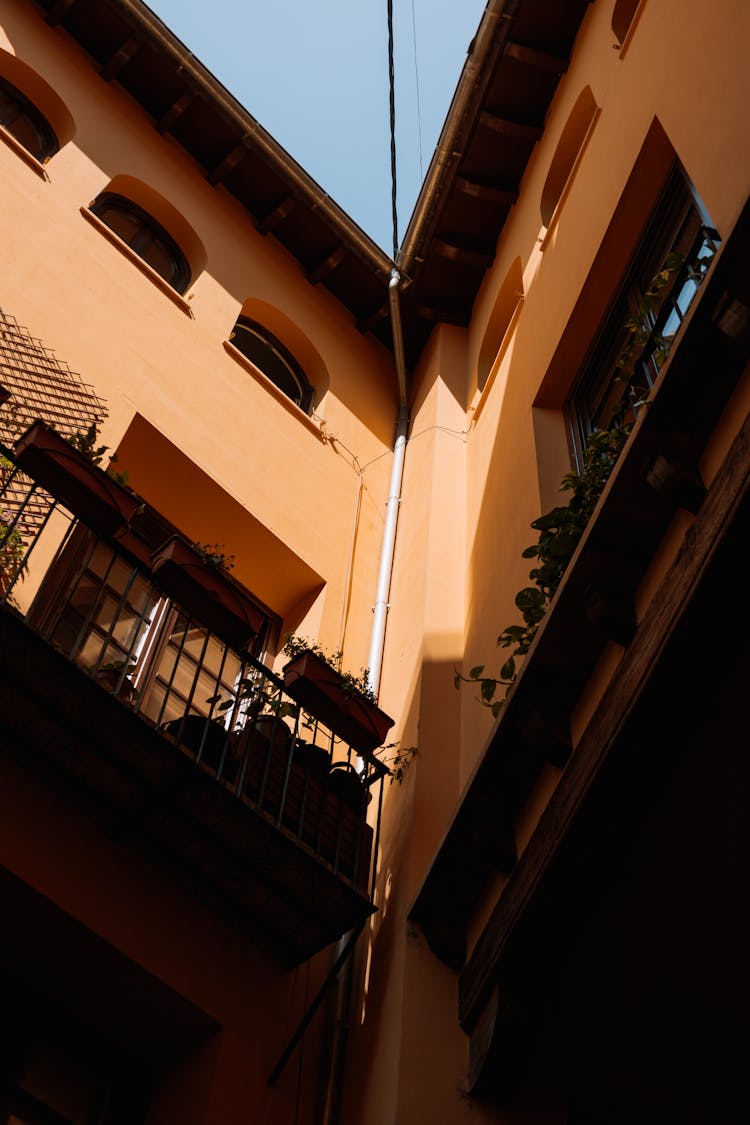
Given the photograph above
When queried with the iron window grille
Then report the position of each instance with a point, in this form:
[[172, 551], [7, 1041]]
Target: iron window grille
[[679, 233]]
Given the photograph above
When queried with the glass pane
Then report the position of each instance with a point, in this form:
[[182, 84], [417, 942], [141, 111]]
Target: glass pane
[[127, 226]]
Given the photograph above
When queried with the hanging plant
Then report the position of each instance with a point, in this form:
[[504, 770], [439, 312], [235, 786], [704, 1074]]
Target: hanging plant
[[560, 530]]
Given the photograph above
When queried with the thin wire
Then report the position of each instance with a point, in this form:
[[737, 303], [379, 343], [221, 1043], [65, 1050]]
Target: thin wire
[[416, 80], [392, 93]]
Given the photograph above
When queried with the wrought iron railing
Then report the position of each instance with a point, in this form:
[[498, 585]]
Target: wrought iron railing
[[92, 597]]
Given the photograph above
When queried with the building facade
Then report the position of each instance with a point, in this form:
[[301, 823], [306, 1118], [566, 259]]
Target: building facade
[[217, 908]]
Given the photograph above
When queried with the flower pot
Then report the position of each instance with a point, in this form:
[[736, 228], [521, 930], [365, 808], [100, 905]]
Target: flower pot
[[70, 477], [319, 688], [314, 760], [346, 783], [209, 594]]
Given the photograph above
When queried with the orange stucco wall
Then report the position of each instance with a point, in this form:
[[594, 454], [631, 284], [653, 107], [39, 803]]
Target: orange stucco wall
[[308, 498]]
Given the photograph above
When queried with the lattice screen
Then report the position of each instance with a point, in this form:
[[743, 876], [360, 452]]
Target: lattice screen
[[41, 386]]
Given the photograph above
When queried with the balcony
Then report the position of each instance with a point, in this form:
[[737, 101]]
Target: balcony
[[139, 698]]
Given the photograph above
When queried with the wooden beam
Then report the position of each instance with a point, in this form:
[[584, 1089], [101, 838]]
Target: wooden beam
[[58, 12], [276, 215], [230, 161], [730, 488], [459, 317], [502, 197], [120, 58], [508, 128], [464, 255], [538, 60], [325, 268], [175, 111], [367, 323]]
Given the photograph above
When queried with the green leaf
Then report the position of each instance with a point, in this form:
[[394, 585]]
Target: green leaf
[[488, 689], [530, 552], [476, 672], [508, 670], [497, 707]]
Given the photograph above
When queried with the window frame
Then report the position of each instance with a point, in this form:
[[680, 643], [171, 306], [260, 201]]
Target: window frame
[[280, 353], [49, 143], [677, 224], [149, 231]]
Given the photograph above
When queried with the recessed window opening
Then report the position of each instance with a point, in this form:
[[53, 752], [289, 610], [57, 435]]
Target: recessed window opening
[[26, 123], [568, 148], [622, 17], [269, 355], [145, 236], [679, 236]]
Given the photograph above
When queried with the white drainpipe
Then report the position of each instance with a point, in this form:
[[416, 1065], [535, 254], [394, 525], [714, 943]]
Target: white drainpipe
[[380, 609]]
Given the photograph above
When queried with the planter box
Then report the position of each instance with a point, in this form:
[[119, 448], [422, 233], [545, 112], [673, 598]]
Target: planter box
[[208, 593], [319, 689], [85, 489]]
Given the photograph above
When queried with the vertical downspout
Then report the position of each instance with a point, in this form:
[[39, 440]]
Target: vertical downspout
[[380, 609], [332, 1109]]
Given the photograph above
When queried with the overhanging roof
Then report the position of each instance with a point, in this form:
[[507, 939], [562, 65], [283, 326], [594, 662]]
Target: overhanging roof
[[514, 64]]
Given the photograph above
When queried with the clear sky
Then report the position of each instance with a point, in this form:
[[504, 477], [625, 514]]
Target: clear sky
[[315, 74]]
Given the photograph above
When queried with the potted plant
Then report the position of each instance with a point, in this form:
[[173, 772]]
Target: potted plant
[[114, 677], [12, 553], [341, 701], [198, 579], [70, 472]]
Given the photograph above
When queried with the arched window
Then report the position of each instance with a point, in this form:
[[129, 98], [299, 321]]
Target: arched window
[[271, 357], [145, 236], [26, 123]]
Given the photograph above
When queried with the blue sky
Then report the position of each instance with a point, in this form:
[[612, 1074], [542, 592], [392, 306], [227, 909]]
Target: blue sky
[[315, 74]]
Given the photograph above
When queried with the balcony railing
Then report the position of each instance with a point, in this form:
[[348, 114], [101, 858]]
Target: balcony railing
[[96, 601]]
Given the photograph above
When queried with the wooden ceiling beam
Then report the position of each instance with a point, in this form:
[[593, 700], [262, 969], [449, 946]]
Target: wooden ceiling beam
[[539, 60], [507, 128], [464, 255], [325, 268], [276, 215], [458, 316], [367, 323], [502, 197], [230, 162], [120, 59], [175, 111]]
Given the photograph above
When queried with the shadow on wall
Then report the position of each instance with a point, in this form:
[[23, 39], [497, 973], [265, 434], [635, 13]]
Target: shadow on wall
[[198, 506]]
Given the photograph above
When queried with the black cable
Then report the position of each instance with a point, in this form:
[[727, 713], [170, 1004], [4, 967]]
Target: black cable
[[392, 91]]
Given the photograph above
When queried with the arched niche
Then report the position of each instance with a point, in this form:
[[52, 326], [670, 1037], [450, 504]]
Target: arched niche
[[507, 301], [622, 17], [568, 147], [166, 214], [294, 340], [40, 93]]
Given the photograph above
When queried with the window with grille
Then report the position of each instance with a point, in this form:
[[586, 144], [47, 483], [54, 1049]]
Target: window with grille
[[680, 243]]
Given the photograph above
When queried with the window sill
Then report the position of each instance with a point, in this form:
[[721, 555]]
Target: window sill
[[144, 267], [279, 395], [26, 156]]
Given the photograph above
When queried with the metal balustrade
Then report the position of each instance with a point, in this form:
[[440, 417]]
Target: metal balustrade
[[94, 601]]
